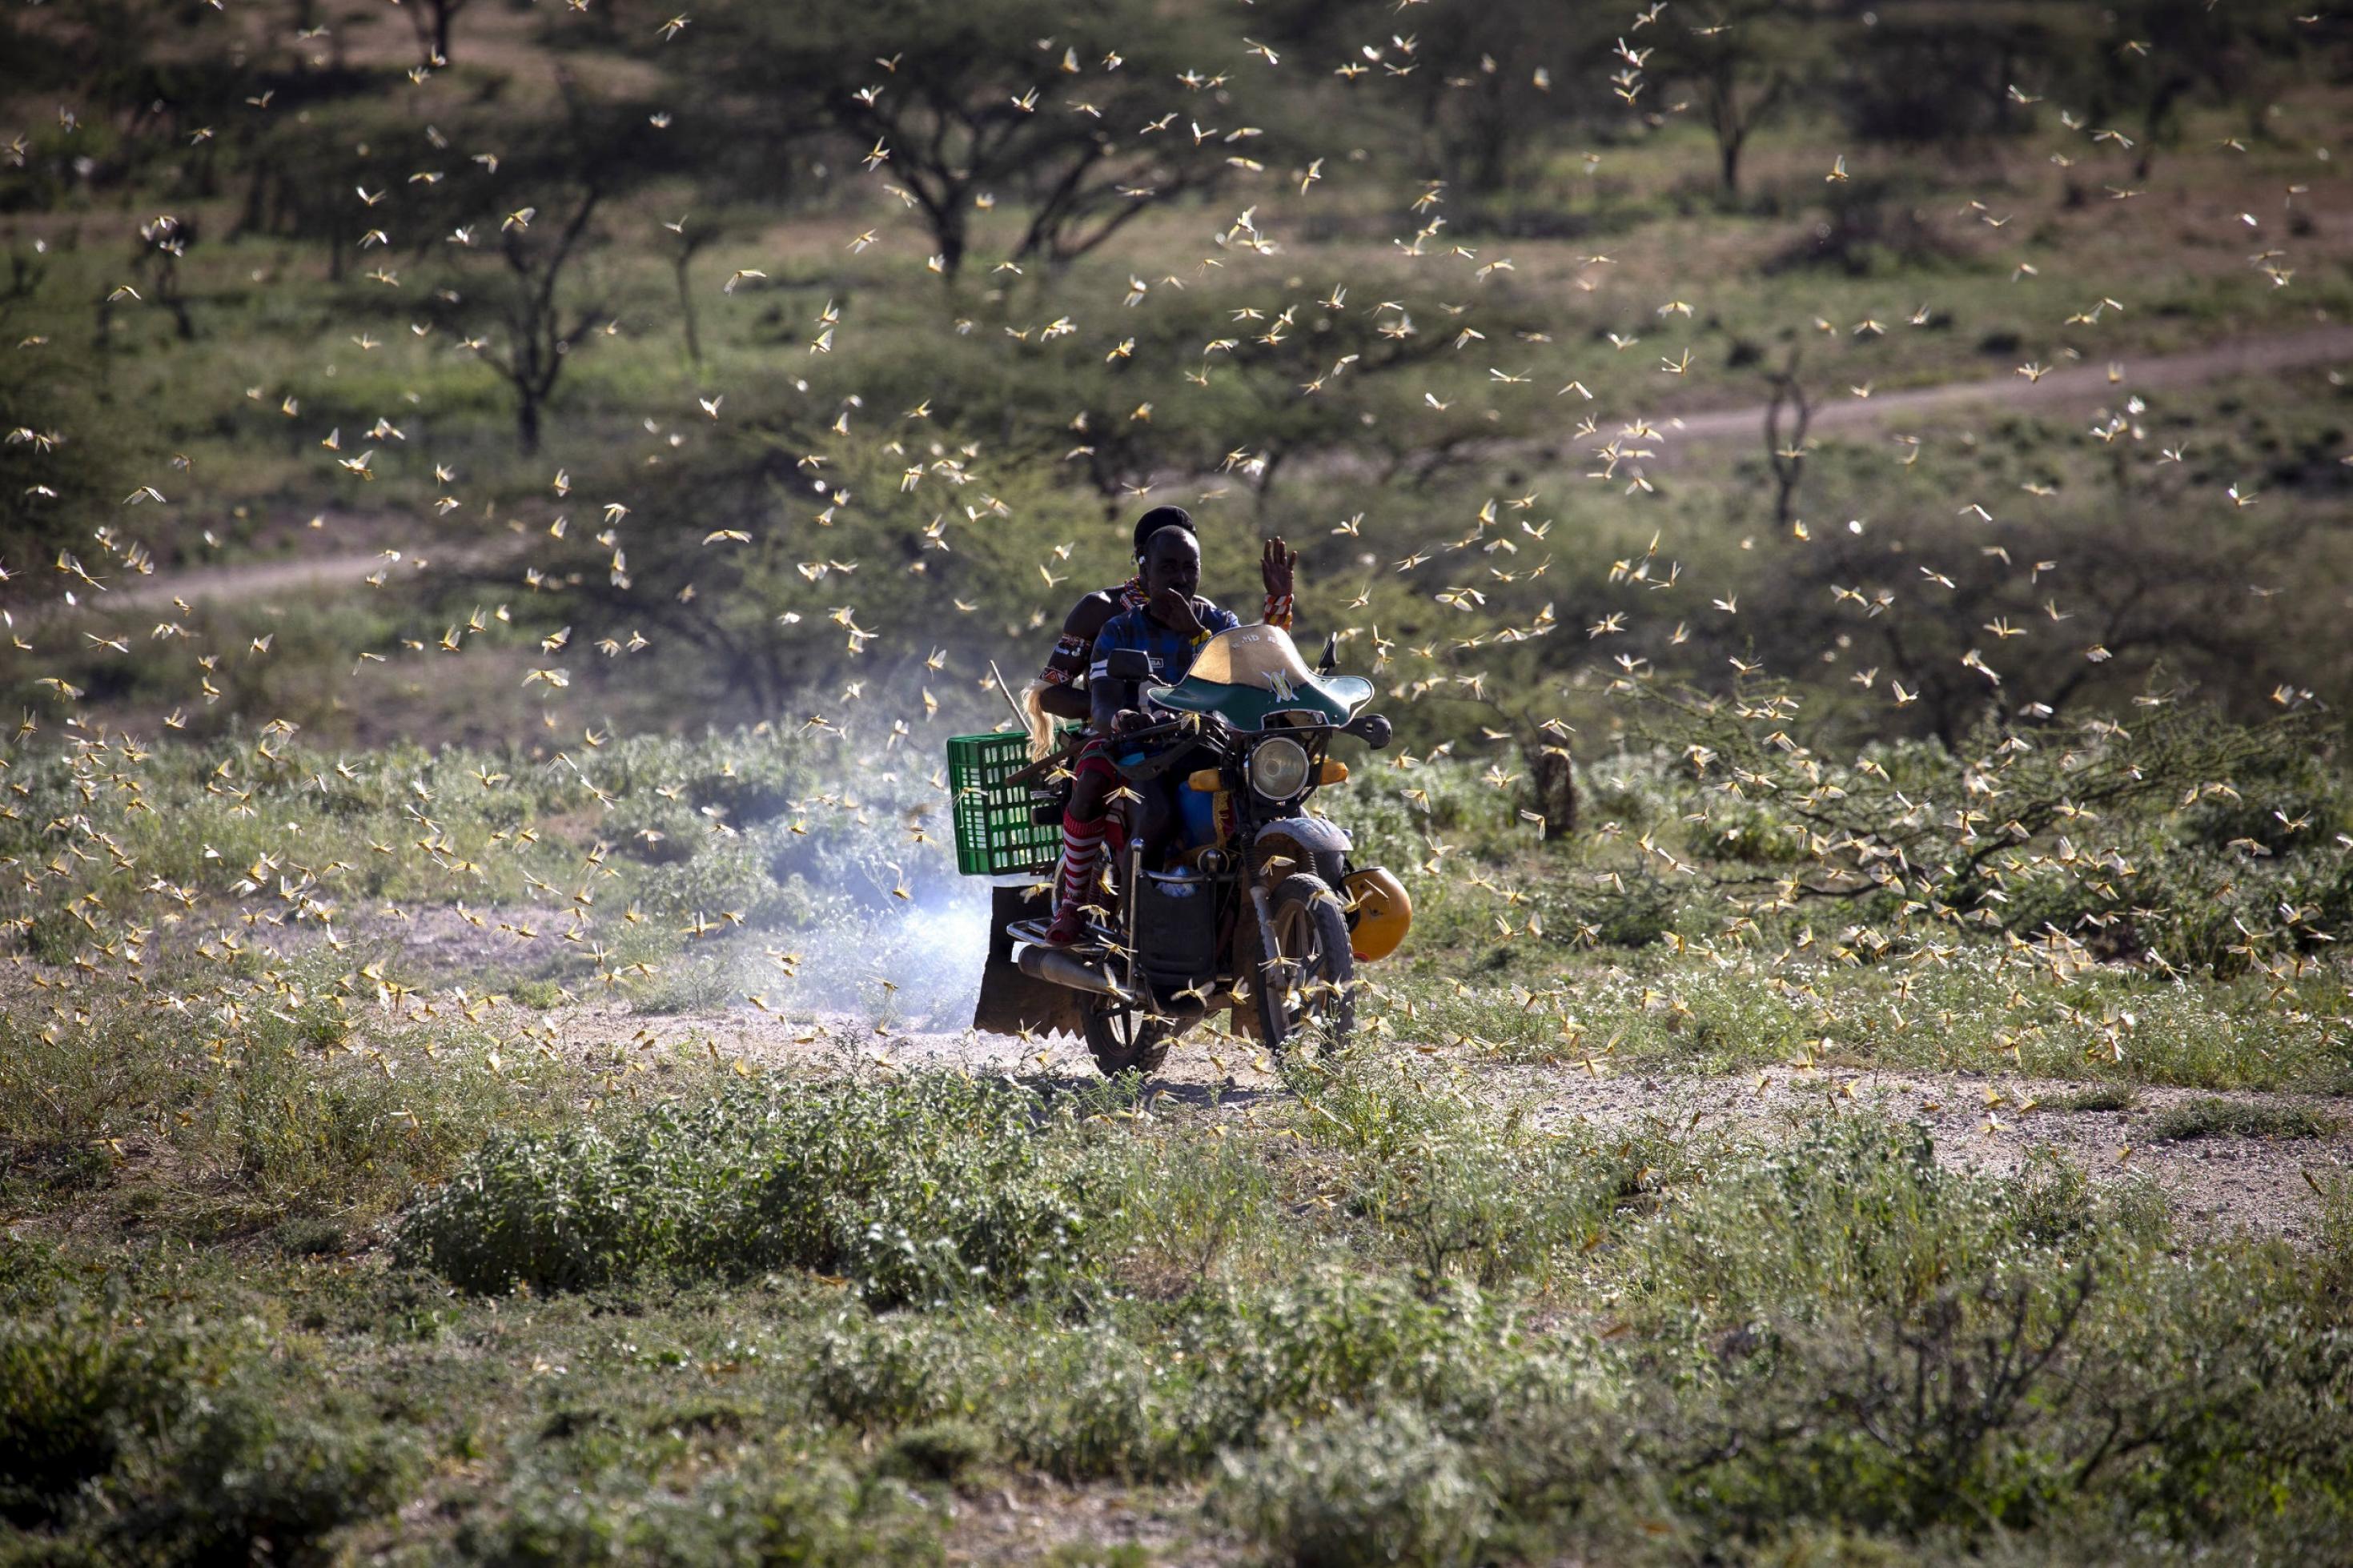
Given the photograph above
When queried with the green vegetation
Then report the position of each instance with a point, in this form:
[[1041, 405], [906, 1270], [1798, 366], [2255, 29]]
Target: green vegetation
[[1644, 1348], [1857, 571], [2216, 1118]]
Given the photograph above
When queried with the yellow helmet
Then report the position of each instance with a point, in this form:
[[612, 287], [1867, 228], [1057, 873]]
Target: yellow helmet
[[1381, 913]]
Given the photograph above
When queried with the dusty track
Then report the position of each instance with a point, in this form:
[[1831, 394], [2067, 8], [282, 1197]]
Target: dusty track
[[2082, 386], [248, 579]]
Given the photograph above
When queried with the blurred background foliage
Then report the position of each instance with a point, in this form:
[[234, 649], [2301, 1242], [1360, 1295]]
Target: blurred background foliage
[[746, 368]]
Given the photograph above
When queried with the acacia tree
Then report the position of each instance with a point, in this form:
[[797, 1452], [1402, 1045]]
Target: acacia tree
[[533, 209], [1786, 451], [2157, 56], [1490, 82], [1000, 103], [431, 19], [691, 238], [1741, 63], [540, 331]]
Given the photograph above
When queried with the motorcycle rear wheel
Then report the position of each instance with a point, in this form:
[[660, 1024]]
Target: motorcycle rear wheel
[[1303, 972], [1127, 1039]]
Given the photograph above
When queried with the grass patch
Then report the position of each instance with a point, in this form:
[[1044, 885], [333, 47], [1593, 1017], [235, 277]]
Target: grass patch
[[2214, 1117], [287, 1117], [770, 1320], [2110, 1097]]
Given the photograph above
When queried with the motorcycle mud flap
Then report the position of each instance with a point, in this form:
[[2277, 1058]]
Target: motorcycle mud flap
[[1011, 1001]]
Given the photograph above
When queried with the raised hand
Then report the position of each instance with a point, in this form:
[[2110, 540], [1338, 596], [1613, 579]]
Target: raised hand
[[1276, 565]]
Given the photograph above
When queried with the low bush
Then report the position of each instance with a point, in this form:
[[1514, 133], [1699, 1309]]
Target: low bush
[[918, 1193], [77, 1386], [245, 1478], [158, 1441], [1353, 1489], [1339, 1340], [213, 1132], [1883, 1342], [789, 1506], [871, 1373]]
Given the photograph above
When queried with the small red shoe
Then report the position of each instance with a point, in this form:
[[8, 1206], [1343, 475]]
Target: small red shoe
[[1070, 924]]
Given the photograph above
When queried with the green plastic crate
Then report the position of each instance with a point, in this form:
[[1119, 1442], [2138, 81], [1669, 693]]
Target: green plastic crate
[[994, 833]]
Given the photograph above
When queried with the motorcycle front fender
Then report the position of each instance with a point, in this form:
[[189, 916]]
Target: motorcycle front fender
[[1313, 844]]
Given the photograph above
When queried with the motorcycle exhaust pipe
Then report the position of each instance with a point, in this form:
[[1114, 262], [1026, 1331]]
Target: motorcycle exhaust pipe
[[1055, 967]]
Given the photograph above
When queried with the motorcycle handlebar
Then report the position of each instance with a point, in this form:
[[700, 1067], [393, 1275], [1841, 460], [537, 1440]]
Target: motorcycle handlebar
[[1152, 731], [1373, 728]]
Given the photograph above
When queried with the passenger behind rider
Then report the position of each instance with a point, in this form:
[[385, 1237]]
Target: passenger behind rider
[[1059, 691], [1168, 628]]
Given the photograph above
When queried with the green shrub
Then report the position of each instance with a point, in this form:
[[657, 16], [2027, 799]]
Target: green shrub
[[2016, 1395], [887, 1372], [77, 1386], [2288, 801], [1890, 1345], [1094, 1403], [1491, 1204], [789, 1508], [1620, 911], [247, 1477], [1340, 1340], [939, 1451], [1353, 1489], [921, 1191], [1851, 1210], [264, 1121]]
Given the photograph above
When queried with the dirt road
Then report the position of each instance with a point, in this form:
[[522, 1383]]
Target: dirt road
[[250, 580], [2082, 386], [2085, 386]]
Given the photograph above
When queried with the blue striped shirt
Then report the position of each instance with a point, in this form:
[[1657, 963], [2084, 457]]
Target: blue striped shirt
[[1170, 650]]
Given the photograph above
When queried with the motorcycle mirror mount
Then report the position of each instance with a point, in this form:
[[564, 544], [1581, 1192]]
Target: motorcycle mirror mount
[[1331, 659], [1373, 728]]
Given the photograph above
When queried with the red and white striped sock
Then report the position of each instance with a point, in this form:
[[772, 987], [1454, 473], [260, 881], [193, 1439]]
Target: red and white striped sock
[[1081, 849]]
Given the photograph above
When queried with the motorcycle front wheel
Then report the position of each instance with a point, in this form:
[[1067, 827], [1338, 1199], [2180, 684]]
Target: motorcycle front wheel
[[1127, 1039], [1302, 975]]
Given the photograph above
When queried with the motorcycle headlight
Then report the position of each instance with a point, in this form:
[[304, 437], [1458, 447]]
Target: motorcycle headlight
[[1278, 768]]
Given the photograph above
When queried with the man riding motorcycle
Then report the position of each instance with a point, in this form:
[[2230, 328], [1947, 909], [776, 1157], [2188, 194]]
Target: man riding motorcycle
[[1167, 627], [1058, 690], [1056, 693]]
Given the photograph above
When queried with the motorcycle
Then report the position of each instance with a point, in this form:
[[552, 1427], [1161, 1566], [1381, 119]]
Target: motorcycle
[[1236, 896]]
